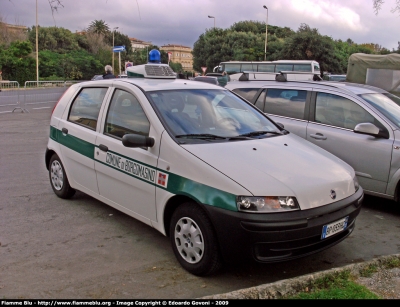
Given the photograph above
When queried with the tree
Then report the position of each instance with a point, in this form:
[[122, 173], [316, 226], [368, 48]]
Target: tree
[[343, 50], [176, 67], [119, 40], [308, 44], [377, 4], [16, 62], [96, 42], [99, 27], [219, 45], [54, 39], [244, 41], [54, 6], [74, 65], [211, 48], [255, 27]]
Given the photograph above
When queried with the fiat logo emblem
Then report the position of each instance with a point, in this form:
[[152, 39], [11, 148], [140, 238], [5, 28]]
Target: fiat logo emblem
[[333, 194]]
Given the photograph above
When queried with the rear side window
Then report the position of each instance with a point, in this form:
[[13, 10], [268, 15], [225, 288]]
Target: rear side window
[[284, 102], [246, 93], [86, 107], [126, 115]]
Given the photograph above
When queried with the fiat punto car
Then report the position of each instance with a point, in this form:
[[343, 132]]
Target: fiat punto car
[[202, 166]]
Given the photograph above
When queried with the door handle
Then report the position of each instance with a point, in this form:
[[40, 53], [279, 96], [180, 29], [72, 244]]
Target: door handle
[[318, 136], [103, 147], [64, 130]]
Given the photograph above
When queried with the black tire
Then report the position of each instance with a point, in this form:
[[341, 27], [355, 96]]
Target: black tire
[[58, 178], [193, 240]]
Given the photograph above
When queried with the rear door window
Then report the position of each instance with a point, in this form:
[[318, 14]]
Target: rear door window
[[284, 102]]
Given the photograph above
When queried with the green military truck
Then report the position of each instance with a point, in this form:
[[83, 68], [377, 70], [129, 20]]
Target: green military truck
[[378, 70]]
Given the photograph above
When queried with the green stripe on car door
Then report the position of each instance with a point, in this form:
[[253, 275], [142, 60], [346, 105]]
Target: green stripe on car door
[[177, 185], [72, 142]]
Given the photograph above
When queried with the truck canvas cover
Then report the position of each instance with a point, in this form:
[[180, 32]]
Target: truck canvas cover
[[360, 62]]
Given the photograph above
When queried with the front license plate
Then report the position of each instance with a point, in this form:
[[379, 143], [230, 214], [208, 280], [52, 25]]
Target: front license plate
[[335, 227]]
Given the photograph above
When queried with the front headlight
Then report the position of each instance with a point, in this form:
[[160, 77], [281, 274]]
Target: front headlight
[[266, 204], [356, 184]]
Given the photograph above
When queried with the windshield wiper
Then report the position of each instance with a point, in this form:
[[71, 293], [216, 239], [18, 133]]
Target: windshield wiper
[[200, 136], [256, 133], [239, 138]]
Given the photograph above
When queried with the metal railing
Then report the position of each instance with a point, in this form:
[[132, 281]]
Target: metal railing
[[34, 94], [41, 93], [9, 95]]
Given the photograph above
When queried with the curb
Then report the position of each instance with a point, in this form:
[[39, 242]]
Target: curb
[[293, 286]]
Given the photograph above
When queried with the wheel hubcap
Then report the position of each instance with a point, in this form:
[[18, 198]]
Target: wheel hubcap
[[57, 175], [189, 240]]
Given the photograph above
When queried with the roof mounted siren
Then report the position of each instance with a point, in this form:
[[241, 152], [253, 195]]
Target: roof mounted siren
[[154, 69]]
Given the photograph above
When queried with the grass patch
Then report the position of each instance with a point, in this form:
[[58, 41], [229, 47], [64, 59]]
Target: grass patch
[[336, 286], [392, 263], [368, 270]]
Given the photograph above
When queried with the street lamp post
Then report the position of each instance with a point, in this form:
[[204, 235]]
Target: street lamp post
[[112, 65], [214, 19], [37, 49], [266, 36]]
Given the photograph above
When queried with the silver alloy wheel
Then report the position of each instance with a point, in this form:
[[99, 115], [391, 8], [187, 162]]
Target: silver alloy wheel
[[189, 240], [57, 175]]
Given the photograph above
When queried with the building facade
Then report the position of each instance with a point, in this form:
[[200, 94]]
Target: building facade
[[13, 28], [138, 44], [180, 54]]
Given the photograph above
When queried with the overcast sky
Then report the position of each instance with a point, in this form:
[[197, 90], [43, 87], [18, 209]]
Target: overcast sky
[[181, 22]]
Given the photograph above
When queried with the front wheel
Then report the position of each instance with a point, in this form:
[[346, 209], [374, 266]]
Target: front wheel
[[58, 178], [193, 240]]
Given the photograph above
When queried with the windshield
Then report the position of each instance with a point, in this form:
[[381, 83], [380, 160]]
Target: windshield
[[386, 104], [210, 115]]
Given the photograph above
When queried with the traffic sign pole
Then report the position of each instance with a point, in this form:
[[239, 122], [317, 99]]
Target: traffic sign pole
[[119, 49]]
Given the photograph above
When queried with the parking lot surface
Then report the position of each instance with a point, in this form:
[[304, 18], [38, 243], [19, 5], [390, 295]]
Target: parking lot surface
[[84, 249]]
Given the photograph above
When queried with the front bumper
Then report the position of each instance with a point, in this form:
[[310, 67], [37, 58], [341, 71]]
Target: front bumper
[[277, 237]]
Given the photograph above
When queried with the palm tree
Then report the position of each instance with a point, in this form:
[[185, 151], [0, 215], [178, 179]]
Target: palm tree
[[99, 27]]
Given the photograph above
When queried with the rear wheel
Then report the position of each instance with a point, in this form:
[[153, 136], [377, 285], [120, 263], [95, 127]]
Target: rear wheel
[[193, 240], [58, 178]]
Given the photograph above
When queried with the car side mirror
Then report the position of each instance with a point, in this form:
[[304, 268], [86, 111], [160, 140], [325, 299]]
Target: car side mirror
[[136, 140], [367, 128]]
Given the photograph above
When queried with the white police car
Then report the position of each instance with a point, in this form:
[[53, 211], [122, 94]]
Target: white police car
[[202, 166]]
